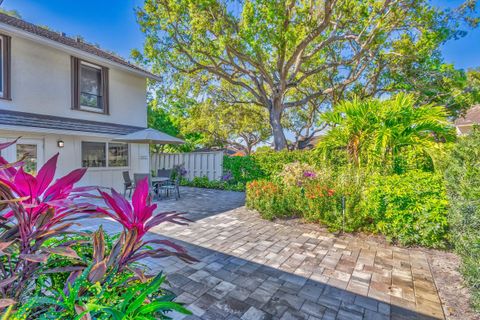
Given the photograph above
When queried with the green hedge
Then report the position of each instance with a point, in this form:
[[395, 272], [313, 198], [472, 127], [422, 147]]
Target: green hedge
[[408, 209], [262, 165], [463, 185]]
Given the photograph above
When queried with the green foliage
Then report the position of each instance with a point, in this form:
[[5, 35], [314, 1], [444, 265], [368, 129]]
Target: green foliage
[[271, 200], [288, 56], [111, 299], [162, 120], [243, 169], [223, 124], [204, 182], [390, 134], [408, 209], [463, 185]]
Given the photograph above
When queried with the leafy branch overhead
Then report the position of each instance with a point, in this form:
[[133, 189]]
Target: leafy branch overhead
[[284, 55]]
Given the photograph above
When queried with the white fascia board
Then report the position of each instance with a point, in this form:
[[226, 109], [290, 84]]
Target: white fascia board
[[19, 129]]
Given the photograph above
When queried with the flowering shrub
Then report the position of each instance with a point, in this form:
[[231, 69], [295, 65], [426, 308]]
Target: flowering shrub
[[409, 208], [271, 200], [297, 174], [43, 271]]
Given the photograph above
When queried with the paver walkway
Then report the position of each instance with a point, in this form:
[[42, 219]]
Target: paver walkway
[[253, 269]]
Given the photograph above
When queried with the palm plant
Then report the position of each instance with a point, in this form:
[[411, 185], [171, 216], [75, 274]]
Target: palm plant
[[375, 132]]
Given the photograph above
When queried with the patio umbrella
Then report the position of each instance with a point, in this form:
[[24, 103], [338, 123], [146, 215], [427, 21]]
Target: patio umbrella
[[149, 136]]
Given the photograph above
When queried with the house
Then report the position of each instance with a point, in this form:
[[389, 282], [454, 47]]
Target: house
[[60, 94], [465, 123]]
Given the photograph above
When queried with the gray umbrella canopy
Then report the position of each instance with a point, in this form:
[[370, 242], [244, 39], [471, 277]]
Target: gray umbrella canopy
[[149, 136]]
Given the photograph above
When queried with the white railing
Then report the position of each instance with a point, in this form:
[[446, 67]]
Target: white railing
[[197, 164]]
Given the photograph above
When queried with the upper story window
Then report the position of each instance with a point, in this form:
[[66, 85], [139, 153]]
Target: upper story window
[[5, 67], [89, 86]]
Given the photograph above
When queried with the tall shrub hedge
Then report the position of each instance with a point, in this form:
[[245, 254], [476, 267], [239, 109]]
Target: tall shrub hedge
[[263, 165], [463, 185]]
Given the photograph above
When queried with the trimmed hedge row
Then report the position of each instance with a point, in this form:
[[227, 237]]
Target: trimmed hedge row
[[262, 165]]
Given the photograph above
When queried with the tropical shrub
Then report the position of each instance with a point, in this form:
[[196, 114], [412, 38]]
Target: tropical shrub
[[204, 182], [463, 185], [243, 169], [408, 209], [272, 200], [377, 133], [316, 196], [42, 275], [297, 174]]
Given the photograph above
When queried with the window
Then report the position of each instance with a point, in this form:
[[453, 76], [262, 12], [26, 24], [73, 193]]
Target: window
[[118, 155], [95, 155], [5, 67], [28, 152], [89, 86]]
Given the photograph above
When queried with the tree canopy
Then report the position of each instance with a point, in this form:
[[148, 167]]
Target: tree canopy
[[283, 55], [223, 124]]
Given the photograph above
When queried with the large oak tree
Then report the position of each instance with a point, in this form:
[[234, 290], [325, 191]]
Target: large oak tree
[[285, 55]]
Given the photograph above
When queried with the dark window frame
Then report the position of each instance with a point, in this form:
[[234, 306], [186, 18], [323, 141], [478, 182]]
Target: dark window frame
[[5, 92], [107, 155], [76, 64]]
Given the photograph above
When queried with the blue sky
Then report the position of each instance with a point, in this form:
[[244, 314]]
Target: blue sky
[[111, 23]]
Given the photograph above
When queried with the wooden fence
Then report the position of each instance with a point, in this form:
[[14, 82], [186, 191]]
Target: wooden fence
[[197, 164]]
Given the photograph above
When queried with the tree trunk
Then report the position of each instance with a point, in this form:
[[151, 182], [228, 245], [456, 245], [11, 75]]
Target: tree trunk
[[279, 140]]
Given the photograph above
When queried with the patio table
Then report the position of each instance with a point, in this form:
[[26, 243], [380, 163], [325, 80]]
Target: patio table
[[157, 182]]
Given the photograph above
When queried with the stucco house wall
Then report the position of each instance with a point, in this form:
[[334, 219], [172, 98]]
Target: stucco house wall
[[41, 83]]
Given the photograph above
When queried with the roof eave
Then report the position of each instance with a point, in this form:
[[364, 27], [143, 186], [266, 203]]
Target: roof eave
[[73, 51]]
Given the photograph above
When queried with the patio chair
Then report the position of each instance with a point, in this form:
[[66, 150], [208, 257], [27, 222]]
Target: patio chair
[[164, 173], [171, 186], [127, 183]]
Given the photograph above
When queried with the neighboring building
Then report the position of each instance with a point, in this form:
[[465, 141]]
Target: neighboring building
[[63, 95], [465, 124]]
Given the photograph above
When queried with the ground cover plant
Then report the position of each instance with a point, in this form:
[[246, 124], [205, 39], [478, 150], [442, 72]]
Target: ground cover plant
[[49, 271]]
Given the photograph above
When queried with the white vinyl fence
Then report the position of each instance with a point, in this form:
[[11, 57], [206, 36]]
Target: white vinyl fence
[[197, 164]]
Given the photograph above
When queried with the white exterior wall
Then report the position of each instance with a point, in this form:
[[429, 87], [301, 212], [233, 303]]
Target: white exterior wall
[[41, 83], [71, 154]]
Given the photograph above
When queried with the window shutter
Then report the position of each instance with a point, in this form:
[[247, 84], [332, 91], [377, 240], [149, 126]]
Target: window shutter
[[75, 89], [7, 42], [105, 90]]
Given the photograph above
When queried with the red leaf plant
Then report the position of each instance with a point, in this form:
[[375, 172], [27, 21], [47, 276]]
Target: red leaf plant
[[33, 209], [137, 219]]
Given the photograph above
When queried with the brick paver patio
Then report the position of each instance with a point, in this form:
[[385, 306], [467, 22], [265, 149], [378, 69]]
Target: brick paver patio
[[253, 269]]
